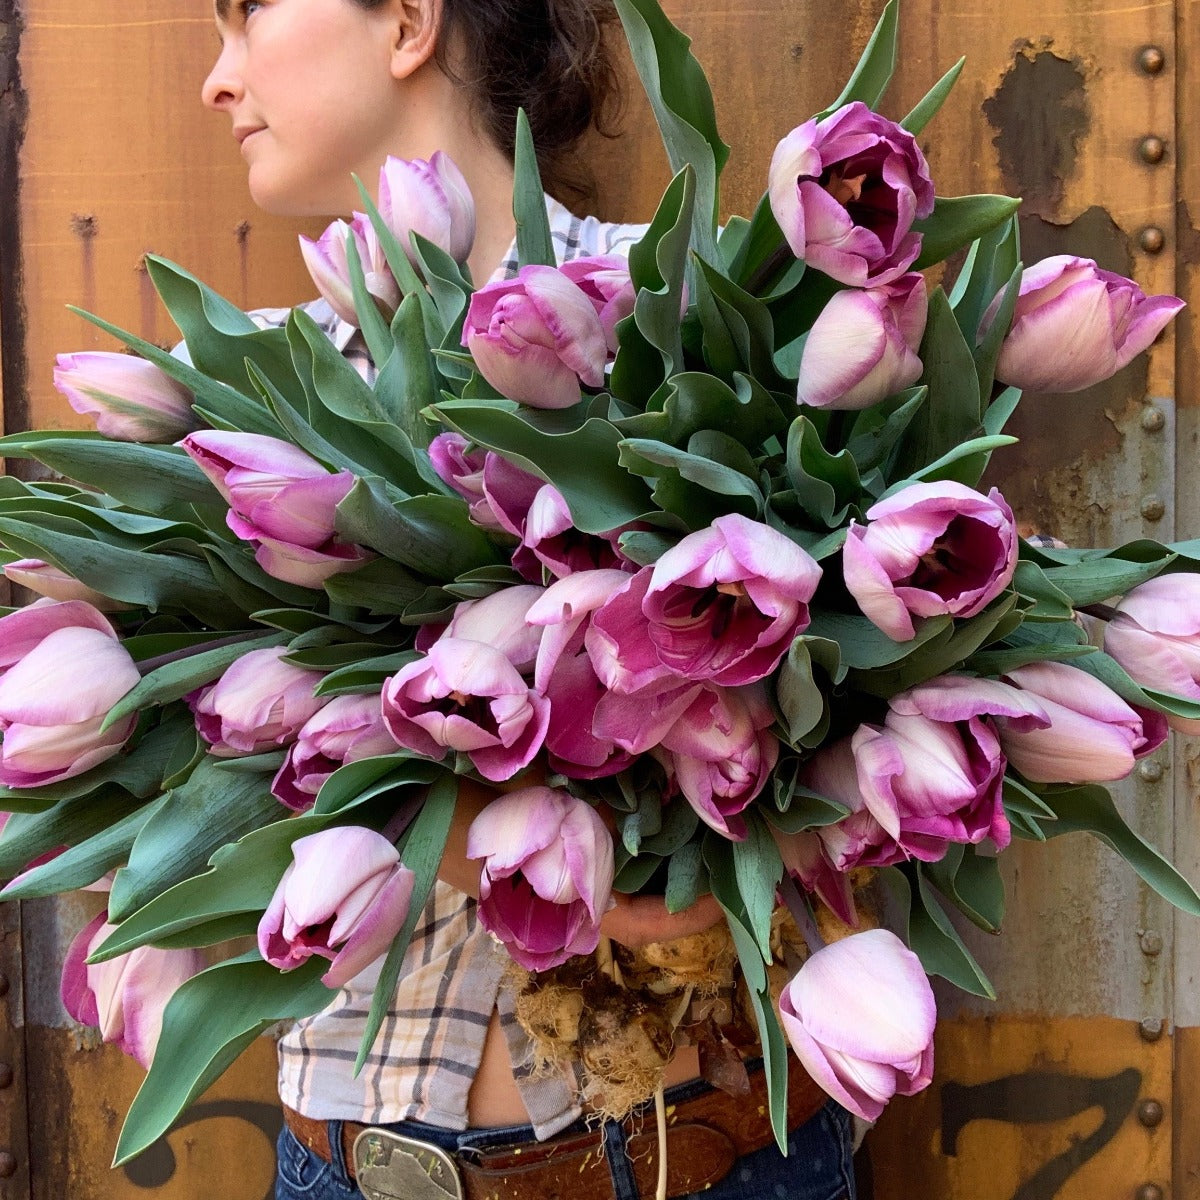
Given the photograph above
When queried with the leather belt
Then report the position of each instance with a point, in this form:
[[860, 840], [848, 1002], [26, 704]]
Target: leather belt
[[706, 1135]]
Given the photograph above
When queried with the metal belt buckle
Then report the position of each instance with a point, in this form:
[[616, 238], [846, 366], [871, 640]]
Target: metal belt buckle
[[388, 1166]]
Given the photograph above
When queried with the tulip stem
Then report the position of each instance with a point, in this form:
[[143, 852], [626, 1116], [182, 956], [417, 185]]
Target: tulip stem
[[801, 912], [1105, 612], [769, 268], [660, 1113]]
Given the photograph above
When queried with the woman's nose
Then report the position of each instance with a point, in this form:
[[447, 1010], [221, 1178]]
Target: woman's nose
[[223, 87]]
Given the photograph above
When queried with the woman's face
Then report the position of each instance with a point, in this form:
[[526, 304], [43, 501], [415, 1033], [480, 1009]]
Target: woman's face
[[307, 85]]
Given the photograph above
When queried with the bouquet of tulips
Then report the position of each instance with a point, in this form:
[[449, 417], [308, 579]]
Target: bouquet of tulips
[[684, 558]]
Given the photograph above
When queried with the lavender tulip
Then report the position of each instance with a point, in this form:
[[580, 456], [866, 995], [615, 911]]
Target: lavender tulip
[[1076, 325], [328, 263], [604, 279], [344, 897], [863, 347], [860, 1016], [536, 338], [720, 754], [807, 861], [259, 704], [931, 549], [62, 669], [722, 605], [129, 398], [126, 996], [280, 500], [346, 729], [466, 696], [430, 198], [1093, 735], [846, 191], [546, 877], [1156, 638], [48, 580], [502, 620]]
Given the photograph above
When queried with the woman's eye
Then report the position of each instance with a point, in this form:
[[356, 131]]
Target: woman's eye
[[249, 7]]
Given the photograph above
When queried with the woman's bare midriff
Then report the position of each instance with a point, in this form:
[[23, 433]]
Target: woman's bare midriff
[[494, 1099]]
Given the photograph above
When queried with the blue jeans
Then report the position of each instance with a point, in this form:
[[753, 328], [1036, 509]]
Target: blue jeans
[[818, 1166]]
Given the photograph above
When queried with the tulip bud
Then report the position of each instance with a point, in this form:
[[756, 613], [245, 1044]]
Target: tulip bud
[[282, 501], [1076, 325], [328, 263], [860, 1016], [126, 996], [535, 338], [846, 191], [47, 580], [928, 550], [547, 874], [345, 897], [129, 398], [863, 347], [347, 729], [1156, 638], [430, 198], [605, 280], [259, 704], [62, 669]]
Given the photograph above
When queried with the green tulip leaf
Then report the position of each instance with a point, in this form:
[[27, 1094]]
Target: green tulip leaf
[[535, 246], [956, 221], [971, 882], [870, 78], [687, 878], [758, 868], [208, 1022], [933, 100]]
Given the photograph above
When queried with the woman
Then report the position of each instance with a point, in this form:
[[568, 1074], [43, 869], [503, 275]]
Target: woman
[[317, 90]]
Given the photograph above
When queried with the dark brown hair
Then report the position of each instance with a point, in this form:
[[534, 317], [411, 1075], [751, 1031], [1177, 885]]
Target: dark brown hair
[[550, 57]]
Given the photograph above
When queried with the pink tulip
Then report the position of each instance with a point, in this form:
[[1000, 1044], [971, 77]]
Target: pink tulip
[[48, 580], [329, 265], [1156, 638], [1093, 735], [1076, 325], [846, 191], [259, 704], [280, 500], [502, 620], [720, 754], [344, 896], [550, 543], [605, 281], [129, 398], [460, 466], [807, 861], [346, 729], [466, 696], [722, 605], [430, 198], [860, 1016], [535, 338], [931, 549], [126, 996], [547, 874], [863, 347], [62, 669]]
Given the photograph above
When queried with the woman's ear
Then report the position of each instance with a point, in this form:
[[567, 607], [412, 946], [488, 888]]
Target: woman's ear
[[417, 28]]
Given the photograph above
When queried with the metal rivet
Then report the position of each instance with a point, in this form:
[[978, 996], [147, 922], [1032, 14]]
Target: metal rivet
[[1150, 1029], [8, 1165], [1151, 59], [1149, 1191], [1152, 149], [1151, 943], [1150, 771], [1154, 508], [1150, 1113], [1152, 239], [1154, 420]]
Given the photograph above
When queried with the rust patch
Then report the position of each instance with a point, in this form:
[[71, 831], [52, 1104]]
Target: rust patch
[[86, 228], [1065, 437], [1041, 116], [242, 233]]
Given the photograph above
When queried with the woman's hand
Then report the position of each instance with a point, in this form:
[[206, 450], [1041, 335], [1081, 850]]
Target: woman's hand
[[635, 921]]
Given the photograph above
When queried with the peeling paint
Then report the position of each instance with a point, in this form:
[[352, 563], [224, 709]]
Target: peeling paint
[[1041, 116]]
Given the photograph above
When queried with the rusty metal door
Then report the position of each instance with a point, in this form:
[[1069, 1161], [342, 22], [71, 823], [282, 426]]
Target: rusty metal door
[[1082, 1081]]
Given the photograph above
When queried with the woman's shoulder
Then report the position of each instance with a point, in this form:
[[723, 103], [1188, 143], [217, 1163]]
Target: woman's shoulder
[[582, 237]]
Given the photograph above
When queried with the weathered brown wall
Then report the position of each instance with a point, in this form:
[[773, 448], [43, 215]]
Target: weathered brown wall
[[1042, 1095]]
